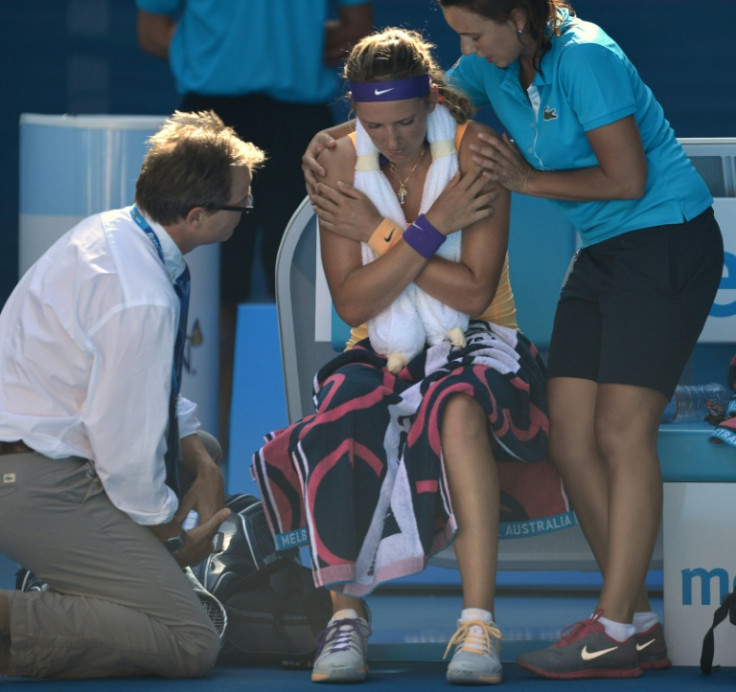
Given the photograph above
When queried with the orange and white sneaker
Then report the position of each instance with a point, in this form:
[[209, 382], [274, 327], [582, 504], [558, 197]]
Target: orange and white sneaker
[[476, 660]]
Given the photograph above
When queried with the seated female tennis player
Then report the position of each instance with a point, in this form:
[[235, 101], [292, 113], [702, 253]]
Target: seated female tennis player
[[393, 467]]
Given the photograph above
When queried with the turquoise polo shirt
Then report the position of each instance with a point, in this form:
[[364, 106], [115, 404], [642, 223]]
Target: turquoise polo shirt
[[586, 81], [236, 47]]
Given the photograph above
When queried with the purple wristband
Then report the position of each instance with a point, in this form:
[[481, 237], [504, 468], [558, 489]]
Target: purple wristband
[[423, 237]]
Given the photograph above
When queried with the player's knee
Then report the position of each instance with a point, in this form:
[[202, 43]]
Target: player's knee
[[568, 452], [463, 412]]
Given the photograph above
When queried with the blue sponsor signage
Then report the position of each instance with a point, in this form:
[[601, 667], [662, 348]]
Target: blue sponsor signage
[[705, 579], [727, 282]]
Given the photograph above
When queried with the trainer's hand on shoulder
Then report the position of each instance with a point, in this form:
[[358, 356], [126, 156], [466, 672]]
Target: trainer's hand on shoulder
[[345, 211], [503, 162], [312, 170], [468, 198]]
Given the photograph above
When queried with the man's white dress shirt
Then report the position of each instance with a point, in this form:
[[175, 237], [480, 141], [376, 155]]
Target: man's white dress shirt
[[86, 351]]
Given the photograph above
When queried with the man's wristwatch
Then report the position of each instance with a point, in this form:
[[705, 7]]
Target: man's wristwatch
[[176, 543]]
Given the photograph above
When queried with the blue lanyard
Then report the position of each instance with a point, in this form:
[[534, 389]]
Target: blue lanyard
[[182, 283], [181, 287], [143, 225]]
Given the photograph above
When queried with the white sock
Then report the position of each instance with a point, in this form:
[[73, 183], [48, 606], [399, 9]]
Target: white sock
[[476, 614], [644, 621], [617, 630], [344, 614]]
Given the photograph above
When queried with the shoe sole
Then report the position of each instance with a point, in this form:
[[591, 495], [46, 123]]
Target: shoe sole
[[340, 676], [474, 679], [656, 664], [582, 674]]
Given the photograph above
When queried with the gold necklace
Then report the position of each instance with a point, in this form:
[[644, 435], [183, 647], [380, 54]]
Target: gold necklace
[[402, 192]]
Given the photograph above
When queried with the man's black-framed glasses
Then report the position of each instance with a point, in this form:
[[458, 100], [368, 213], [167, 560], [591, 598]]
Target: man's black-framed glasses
[[233, 207]]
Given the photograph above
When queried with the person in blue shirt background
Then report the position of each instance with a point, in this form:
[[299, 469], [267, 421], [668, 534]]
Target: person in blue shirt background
[[268, 69], [584, 131]]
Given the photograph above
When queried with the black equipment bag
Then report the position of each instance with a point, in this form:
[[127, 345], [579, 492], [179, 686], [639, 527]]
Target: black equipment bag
[[274, 611], [245, 549], [728, 607]]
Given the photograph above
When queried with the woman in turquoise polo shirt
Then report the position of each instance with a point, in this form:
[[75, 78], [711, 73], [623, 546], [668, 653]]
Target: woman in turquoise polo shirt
[[584, 131]]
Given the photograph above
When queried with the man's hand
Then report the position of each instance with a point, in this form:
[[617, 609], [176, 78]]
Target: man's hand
[[206, 493], [198, 543], [155, 32]]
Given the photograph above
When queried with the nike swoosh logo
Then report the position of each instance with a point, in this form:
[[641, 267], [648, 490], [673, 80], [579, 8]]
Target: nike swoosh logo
[[641, 647], [388, 237], [590, 655], [381, 92]]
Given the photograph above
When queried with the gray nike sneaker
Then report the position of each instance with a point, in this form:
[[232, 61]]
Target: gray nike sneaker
[[476, 660], [584, 651], [652, 649], [341, 656]]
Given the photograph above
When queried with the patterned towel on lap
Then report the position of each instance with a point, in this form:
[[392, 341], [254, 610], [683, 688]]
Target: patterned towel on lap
[[362, 479]]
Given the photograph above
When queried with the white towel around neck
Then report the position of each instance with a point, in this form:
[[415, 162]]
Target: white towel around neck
[[414, 317]]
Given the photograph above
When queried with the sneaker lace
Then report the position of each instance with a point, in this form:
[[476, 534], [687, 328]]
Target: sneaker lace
[[475, 636], [579, 629], [339, 635]]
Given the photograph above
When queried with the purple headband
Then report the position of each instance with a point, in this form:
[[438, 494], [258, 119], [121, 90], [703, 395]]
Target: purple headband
[[391, 91]]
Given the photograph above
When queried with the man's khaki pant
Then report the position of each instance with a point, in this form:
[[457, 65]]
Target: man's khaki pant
[[118, 604]]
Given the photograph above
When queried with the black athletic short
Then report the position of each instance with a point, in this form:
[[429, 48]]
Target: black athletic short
[[632, 307]]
